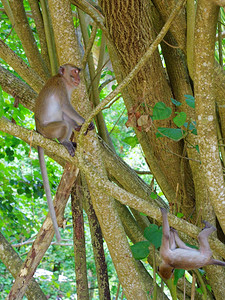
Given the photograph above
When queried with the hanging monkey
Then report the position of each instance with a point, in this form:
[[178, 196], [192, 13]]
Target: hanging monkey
[[184, 257], [55, 118]]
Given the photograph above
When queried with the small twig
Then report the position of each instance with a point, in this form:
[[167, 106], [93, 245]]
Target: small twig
[[97, 73], [117, 121], [117, 292], [9, 33], [101, 86], [31, 140], [143, 172], [112, 103], [89, 45]]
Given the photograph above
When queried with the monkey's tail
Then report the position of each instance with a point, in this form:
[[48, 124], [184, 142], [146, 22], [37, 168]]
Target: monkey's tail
[[218, 262], [48, 192]]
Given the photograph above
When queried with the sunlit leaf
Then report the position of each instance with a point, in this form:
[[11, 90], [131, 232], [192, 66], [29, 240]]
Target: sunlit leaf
[[131, 140], [180, 215], [153, 195]]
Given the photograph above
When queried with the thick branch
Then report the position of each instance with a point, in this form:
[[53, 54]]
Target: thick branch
[[25, 34], [17, 88], [103, 204], [45, 235], [92, 12], [205, 107], [136, 69], [27, 73], [126, 198], [36, 14], [79, 241], [13, 262]]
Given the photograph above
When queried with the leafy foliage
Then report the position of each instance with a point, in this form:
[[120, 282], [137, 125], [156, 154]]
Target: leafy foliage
[[153, 235], [161, 111]]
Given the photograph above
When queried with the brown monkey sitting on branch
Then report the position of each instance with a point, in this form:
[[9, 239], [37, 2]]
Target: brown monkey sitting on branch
[[184, 257], [55, 118]]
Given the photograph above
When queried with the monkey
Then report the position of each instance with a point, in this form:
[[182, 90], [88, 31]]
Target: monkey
[[55, 118], [184, 257]]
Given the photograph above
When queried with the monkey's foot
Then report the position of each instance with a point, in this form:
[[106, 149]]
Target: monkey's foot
[[207, 225], [163, 210], [78, 128], [173, 229], [69, 146], [91, 126]]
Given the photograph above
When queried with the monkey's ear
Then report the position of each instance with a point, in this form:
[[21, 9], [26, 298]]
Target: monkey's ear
[[61, 70]]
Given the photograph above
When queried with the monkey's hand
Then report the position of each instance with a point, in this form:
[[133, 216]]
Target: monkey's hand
[[90, 127], [78, 128], [207, 225]]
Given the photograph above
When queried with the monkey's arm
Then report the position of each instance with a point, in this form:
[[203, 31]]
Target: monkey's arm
[[178, 241], [71, 113], [166, 231]]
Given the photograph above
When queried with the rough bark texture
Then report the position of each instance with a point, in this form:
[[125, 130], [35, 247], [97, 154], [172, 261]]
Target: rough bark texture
[[13, 263], [79, 241], [197, 186], [131, 28], [97, 244], [44, 236], [207, 14], [103, 204]]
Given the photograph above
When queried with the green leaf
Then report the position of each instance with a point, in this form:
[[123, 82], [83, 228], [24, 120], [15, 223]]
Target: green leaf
[[140, 250], [197, 148], [153, 195], [191, 127], [161, 111], [199, 290], [153, 234], [209, 287], [1, 103], [180, 215], [142, 214], [131, 140], [175, 134], [177, 103], [190, 100], [178, 273], [180, 119]]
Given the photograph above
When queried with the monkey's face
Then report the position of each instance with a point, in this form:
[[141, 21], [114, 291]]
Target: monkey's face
[[75, 77], [165, 271]]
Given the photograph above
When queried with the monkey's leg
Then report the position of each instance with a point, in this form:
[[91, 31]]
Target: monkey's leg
[[179, 242], [60, 130], [172, 240], [166, 232], [56, 130], [71, 122], [203, 240]]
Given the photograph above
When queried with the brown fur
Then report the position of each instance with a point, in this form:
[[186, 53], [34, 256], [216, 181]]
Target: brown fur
[[184, 257]]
